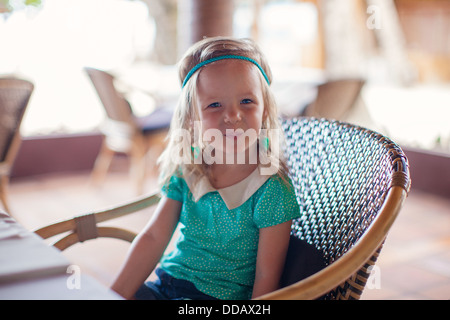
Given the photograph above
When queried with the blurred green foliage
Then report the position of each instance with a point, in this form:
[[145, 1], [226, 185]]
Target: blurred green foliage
[[11, 5]]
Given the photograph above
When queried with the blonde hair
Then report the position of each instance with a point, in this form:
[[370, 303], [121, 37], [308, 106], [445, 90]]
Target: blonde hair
[[186, 113]]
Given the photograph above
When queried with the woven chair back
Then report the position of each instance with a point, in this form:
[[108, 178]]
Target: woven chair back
[[341, 174]]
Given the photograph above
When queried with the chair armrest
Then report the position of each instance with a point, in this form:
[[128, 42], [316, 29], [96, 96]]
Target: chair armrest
[[103, 232], [100, 216]]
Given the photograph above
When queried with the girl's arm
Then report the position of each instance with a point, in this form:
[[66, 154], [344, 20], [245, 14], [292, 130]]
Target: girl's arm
[[272, 249], [148, 248]]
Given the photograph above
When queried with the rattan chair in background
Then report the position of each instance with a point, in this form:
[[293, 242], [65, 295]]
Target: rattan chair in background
[[14, 97], [335, 99], [126, 133], [350, 183]]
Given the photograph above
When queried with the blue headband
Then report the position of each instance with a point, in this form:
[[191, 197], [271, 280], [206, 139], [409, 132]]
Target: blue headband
[[204, 63]]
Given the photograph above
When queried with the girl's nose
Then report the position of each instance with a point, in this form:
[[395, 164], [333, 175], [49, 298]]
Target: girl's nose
[[232, 115]]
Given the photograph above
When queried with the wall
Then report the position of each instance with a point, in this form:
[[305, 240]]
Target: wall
[[54, 154]]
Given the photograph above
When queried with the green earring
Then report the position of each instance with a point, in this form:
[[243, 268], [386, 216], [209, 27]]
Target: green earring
[[195, 151], [265, 143]]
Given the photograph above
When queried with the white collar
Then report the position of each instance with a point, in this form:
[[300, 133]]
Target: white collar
[[234, 195]]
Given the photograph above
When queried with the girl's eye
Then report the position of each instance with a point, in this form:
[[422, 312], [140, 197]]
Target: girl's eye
[[246, 101], [214, 105]]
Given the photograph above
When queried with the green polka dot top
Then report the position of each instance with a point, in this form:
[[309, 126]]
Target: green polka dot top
[[218, 230]]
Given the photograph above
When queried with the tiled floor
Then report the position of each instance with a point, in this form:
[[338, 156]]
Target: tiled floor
[[415, 260], [414, 263]]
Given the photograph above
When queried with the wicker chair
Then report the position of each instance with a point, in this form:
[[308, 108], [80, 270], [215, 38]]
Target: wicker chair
[[124, 132], [350, 184], [14, 97]]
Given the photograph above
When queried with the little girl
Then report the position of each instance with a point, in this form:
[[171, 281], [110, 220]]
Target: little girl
[[219, 186]]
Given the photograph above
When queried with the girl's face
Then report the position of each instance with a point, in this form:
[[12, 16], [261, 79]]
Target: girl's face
[[230, 101]]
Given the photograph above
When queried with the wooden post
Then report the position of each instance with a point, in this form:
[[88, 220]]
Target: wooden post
[[344, 52], [392, 41], [198, 19]]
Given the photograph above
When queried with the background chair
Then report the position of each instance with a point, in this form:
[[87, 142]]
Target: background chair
[[335, 99], [350, 183], [124, 132], [14, 97]]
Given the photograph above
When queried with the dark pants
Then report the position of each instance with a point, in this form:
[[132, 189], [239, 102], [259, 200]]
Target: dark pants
[[167, 287]]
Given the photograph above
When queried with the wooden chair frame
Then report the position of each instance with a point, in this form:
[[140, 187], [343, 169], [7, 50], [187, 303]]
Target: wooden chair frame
[[86, 227]]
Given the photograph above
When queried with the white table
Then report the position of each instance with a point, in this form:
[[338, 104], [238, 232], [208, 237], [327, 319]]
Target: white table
[[30, 269], [55, 287]]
